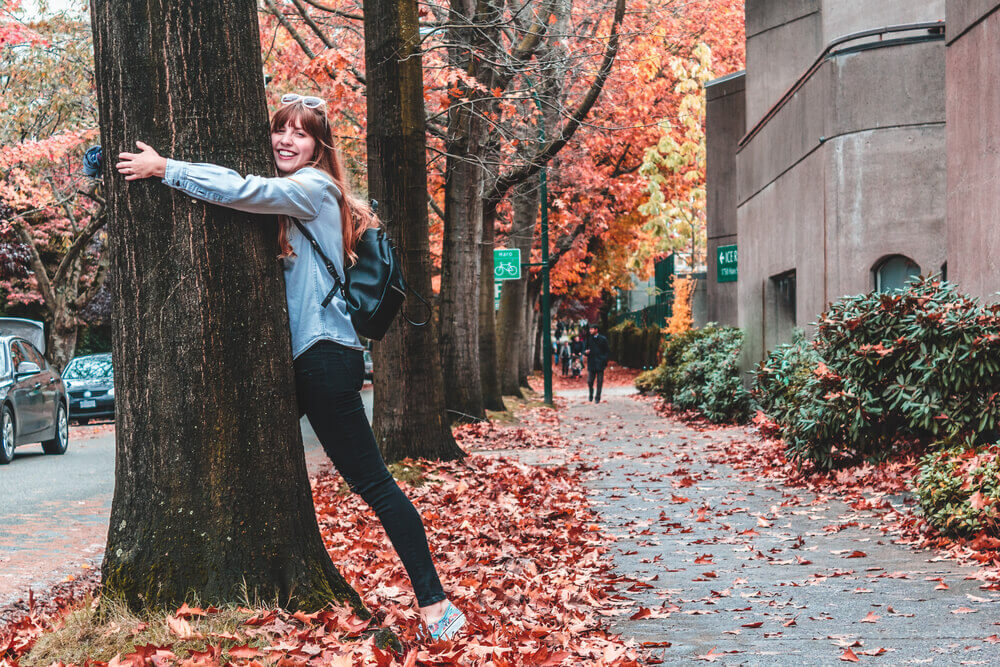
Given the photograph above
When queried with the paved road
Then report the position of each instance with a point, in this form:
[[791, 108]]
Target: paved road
[[742, 570], [54, 509]]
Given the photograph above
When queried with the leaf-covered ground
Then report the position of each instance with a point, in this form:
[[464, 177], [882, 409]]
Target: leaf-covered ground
[[517, 546], [745, 561], [698, 542]]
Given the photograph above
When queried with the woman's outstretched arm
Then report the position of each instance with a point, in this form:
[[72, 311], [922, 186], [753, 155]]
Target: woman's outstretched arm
[[300, 196]]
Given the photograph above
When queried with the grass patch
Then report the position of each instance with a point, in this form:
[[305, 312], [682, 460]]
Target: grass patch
[[515, 405], [409, 472], [101, 634]]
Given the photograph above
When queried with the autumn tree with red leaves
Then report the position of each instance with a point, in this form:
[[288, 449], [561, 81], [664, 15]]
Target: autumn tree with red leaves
[[51, 215]]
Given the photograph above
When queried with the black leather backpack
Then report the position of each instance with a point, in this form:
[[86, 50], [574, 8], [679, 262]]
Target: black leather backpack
[[374, 288]]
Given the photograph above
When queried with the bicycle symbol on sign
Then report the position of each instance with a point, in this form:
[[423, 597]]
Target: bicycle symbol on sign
[[505, 269]]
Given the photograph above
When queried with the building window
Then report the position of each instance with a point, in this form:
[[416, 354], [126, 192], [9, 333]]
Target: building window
[[944, 271], [780, 303], [892, 273]]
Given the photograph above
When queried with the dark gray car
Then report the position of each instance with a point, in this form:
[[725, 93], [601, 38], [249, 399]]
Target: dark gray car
[[33, 401], [90, 382]]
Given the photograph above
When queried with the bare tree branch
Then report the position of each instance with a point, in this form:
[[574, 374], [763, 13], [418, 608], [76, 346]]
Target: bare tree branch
[[300, 40], [506, 181], [37, 266], [79, 244], [335, 11], [434, 207]]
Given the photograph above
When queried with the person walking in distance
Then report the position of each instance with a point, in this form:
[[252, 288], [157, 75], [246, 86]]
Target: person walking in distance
[[597, 352], [313, 189]]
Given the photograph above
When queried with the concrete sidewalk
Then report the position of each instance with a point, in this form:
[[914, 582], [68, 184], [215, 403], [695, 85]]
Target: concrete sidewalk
[[746, 571]]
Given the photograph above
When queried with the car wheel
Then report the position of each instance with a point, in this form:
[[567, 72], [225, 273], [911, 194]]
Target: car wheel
[[7, 435], [58, 444]]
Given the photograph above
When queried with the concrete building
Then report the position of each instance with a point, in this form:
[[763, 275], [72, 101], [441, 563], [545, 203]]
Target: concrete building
[[725, 124], [840, 176], [973, 83]]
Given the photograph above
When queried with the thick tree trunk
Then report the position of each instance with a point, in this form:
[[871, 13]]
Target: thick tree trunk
[[536, 348], [61, 343], [512, 328], [461, 262], [532, 332], [488, 367], [410, 416], [212, 499], [460, 268], [529, 338]]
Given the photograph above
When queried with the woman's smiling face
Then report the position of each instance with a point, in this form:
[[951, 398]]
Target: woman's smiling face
[[293, 148]]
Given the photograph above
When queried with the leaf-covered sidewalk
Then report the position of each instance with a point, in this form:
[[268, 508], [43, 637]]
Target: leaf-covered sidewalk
[[738, 568]]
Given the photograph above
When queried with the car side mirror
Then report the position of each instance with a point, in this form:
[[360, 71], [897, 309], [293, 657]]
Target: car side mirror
[[27, 368]]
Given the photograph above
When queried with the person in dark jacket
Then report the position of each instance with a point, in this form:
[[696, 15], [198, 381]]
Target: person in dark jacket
[[597, 352]]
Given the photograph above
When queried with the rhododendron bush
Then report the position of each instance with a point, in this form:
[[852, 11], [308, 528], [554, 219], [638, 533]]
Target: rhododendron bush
[[699, 371], [919, 364]]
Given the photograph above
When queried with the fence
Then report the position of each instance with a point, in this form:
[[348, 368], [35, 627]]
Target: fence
[[655, 316]]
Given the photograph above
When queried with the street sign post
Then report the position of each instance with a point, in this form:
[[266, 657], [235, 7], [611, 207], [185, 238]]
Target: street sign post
[[507, 264], [726, 266]]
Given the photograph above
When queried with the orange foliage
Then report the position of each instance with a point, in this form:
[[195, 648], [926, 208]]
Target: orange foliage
[[681, 319], [595, 190]]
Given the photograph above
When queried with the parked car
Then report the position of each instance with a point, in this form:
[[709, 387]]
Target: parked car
[[90, 382], [368, 365], [34, 406]]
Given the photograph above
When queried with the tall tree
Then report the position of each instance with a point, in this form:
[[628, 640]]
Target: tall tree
[[409, 397], [212, 497], [551, 87], [463, 216]]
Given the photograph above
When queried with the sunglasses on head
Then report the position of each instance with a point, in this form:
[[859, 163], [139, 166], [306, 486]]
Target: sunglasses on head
[[307, 101]]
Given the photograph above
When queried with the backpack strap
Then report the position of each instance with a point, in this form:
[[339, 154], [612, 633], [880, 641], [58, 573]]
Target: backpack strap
[[338, 284]]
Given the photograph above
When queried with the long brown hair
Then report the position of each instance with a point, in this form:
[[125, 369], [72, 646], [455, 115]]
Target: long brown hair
[[355, 214]]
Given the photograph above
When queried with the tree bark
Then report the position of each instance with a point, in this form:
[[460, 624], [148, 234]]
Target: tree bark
[[410, 418], [536, 336], [488, 369], [512, 330], [461, 256], [212, 499]]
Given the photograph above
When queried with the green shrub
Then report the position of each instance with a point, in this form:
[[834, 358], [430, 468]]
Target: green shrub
[[920, 364], [663, 379], [959, 490], [648, 382], [928, 354], [780, 380], [615, 335], [633, 346], [708, 379]]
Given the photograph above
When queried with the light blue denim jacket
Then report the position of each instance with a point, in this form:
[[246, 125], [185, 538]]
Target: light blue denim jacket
[[309, 195]]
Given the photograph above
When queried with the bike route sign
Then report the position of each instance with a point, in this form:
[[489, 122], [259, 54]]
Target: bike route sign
[[507, 264]]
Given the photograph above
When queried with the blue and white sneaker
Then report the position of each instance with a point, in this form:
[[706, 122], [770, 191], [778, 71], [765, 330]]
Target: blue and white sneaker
[[448, 625]]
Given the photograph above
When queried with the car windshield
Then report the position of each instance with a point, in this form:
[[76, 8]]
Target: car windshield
[[89, 368]]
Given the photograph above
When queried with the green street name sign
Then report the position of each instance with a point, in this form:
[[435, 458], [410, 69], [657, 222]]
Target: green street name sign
[[726, 266], [507, 264]]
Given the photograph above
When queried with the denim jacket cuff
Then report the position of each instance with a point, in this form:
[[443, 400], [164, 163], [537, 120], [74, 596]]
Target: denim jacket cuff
[[175, 173]]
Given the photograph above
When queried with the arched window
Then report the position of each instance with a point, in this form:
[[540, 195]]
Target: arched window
[[892, 273]]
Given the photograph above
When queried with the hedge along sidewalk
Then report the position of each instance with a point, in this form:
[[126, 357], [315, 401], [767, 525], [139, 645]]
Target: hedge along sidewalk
[[741, 569]]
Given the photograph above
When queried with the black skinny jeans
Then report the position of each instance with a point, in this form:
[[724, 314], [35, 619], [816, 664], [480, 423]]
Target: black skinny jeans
[[592, 375], [328, 381]]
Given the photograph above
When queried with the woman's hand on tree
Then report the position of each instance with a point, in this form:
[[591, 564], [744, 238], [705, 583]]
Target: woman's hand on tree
[[146, 164]]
